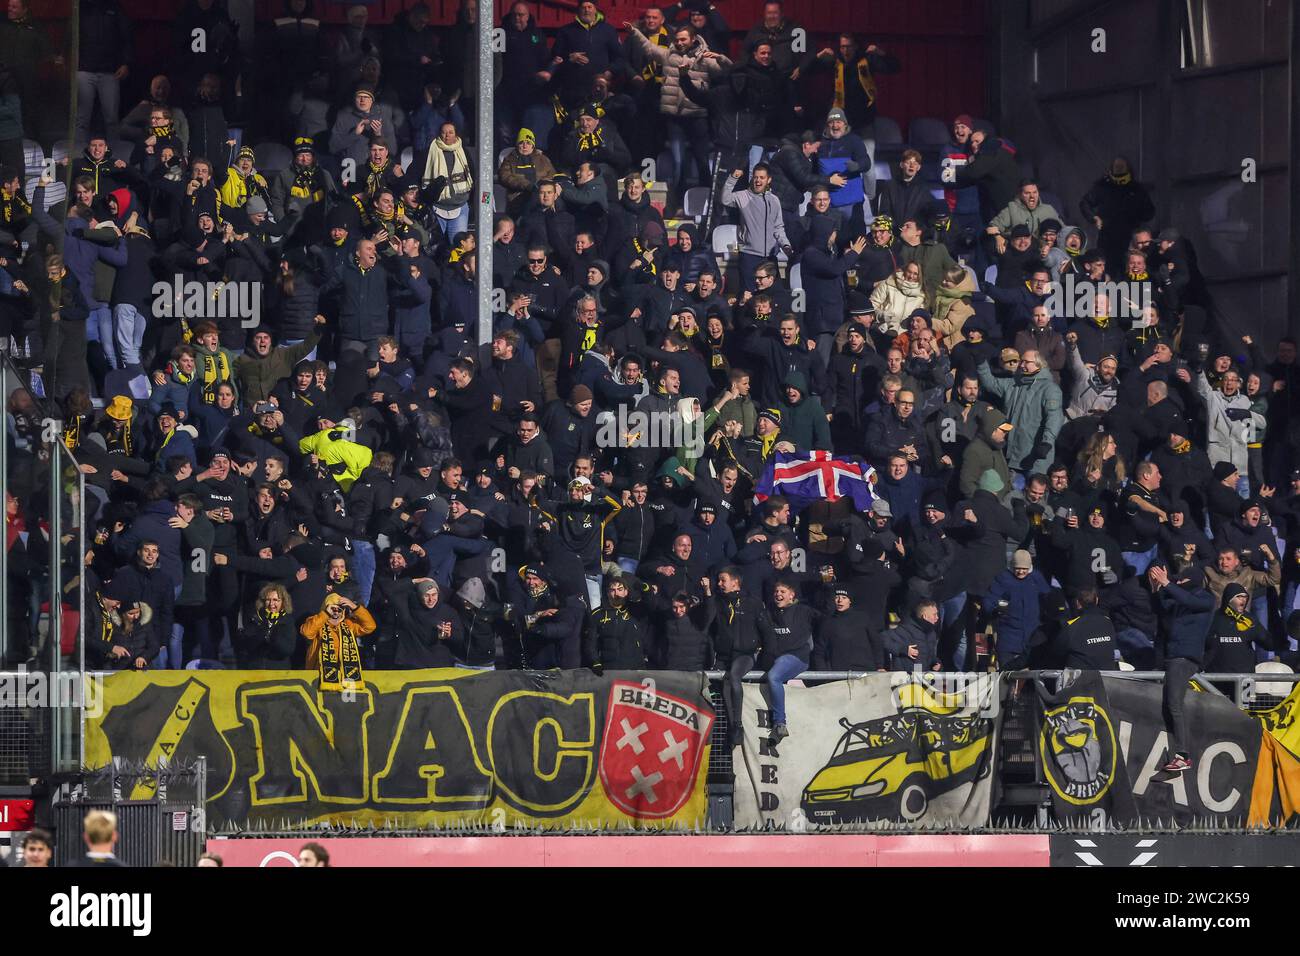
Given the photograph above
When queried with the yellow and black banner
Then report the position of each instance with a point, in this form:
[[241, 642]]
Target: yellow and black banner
[[551, 750], [1103, 745]]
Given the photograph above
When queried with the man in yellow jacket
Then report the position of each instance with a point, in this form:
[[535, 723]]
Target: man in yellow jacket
[[333, 642], [334, 445], [243, 181]]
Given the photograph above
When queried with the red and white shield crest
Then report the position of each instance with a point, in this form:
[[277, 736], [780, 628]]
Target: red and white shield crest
[[652, 748]]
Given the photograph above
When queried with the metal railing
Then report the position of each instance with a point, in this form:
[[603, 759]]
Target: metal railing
[[64, 731], [1245, 692], [161, 815]]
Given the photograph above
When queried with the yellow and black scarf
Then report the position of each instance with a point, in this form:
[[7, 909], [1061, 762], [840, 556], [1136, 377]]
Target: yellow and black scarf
[[640, 251], [72, 433], [15, 207], [865, 79], [162, 132], [1244, 621], [214, 367], [375, 176], [121, 439], [653, 71], [592, 140], [1138, 276], [340, 658], [307, 183]]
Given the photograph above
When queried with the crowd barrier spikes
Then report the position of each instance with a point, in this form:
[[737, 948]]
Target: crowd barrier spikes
[[390, 828]]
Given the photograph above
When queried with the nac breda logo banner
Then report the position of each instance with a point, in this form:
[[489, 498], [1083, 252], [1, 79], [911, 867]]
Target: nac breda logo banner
[[885, 748], [416, 748], [1103, 742]]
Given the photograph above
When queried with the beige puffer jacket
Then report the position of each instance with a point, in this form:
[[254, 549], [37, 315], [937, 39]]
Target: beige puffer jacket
[[673, 100], [951, 310]]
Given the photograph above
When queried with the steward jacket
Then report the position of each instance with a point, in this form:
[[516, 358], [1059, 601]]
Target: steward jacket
[[1087, 641]]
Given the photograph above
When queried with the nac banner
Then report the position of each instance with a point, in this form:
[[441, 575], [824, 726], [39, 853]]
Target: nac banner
[[1103, 745], [884, 748], [549, 750]]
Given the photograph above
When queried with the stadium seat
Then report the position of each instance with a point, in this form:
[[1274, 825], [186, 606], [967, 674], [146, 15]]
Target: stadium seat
[[1278, 689], [501, 155], [55, 192], [724, 237], [927, 131], [62, 150], [408, 156], [803, 206], [122, 149], [664, 167], [33, 157], [991, 274], [498, 198], [272, 157], [887, 132], [884, 171], [796, 276], [1053, 200], [937, 194], [695, 203]]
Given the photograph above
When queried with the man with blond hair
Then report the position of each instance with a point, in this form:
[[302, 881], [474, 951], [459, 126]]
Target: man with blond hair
[[100, 834]]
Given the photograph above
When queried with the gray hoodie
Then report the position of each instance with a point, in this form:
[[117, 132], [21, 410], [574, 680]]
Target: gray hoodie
[[762, 230], [1058, 257]]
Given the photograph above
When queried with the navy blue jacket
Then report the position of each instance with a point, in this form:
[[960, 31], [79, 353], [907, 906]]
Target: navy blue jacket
[[1188, 614], [1022, 615]]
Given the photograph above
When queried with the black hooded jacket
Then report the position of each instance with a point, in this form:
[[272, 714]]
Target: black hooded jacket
[[1231, 646]]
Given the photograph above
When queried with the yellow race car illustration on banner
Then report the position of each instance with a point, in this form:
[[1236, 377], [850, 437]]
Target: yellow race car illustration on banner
[[890, 768]]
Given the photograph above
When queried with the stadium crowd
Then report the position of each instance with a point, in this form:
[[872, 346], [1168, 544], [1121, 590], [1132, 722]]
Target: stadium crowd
[[353, 482]]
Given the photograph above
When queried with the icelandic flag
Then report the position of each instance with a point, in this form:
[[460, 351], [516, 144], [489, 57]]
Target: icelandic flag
[[803, 477]]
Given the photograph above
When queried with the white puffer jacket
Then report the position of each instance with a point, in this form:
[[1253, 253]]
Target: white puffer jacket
[[673, 100], [895, 299]]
